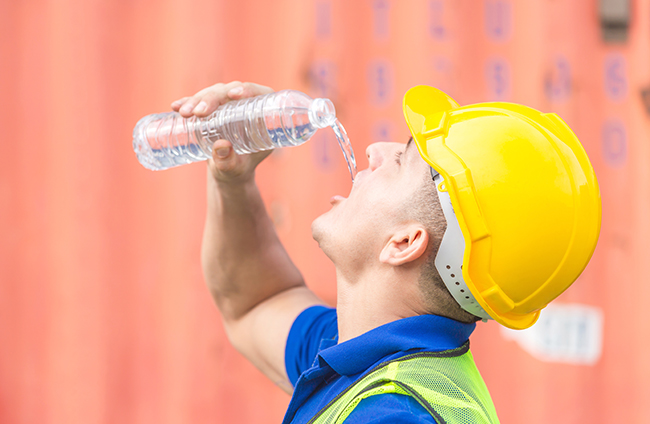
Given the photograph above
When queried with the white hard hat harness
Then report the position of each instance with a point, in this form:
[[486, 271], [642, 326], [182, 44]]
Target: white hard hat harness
[[449, 260]]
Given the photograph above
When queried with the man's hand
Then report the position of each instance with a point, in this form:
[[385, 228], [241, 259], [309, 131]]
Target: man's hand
[[225, 166]]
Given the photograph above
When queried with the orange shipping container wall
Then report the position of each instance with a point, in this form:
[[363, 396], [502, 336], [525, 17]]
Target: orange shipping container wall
[[104, 316]]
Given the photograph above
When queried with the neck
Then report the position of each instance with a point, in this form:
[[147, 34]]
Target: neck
[[375, 299]]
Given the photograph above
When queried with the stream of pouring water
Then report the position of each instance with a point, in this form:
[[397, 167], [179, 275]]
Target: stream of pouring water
[[346, 147]]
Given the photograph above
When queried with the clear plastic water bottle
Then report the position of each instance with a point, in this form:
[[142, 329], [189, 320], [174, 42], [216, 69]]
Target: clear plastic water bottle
[[280, 119]]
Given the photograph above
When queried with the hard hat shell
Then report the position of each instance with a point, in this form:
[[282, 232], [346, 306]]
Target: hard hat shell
[[524, 193]]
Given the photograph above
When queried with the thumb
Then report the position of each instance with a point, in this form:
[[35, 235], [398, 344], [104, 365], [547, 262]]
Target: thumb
[[222, 151], [227, 165], [223, 155]]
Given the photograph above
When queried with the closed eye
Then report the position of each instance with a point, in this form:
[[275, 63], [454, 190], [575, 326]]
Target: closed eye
[[398, 157]]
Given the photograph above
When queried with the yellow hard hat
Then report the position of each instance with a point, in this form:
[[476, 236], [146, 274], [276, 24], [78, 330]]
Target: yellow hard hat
[[524, 195]]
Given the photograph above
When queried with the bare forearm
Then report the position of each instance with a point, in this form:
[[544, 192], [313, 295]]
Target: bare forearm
[[254, 283], [244, 262]]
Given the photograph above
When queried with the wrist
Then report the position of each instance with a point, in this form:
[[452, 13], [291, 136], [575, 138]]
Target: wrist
[[241, 182], [232, 187]]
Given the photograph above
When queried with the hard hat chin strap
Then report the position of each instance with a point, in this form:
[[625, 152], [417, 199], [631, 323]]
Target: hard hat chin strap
[[449, 260]]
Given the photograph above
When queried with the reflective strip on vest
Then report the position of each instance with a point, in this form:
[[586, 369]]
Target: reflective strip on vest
[[447, 384]]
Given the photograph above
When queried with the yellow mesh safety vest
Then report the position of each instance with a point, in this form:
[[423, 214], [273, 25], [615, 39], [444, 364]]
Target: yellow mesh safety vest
[[447, 384]]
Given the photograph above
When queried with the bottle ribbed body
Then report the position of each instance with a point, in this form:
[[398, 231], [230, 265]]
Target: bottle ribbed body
[[281, 119]]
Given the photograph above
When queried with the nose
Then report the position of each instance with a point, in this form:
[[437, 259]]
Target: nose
[[377, 152], [375, 158]]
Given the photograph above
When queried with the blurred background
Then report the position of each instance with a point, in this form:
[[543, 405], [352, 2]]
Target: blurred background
[[104, 315]]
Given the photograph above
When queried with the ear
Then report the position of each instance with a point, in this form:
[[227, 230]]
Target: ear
[[406, 245]]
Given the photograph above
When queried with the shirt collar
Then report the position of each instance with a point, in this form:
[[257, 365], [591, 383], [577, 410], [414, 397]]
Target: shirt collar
[[422, 332]]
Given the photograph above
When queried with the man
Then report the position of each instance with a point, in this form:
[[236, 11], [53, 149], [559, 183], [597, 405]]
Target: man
[[489, 211]]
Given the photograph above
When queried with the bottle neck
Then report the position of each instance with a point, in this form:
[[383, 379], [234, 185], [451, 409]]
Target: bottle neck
[[322, 113]]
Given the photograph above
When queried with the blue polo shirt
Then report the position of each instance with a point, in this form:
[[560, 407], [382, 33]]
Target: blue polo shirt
[[319, 368]]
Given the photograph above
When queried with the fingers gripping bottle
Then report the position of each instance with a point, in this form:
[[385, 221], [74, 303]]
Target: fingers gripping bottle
[[280, 119]]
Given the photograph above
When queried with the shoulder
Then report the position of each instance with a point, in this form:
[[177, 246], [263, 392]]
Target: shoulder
[[389, 408], [313, 325], [317, 320]]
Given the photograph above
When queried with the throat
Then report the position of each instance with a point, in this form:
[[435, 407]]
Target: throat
[[366, 305]]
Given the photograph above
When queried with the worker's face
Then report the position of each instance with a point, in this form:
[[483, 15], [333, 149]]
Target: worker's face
[[357, 227]]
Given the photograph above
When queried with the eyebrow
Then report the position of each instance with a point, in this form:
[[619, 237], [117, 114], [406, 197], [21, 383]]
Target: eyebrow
[[408, 144]]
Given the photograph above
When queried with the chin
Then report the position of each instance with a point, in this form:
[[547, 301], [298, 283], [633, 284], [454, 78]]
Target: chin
[[322, 233], [317, 230]]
